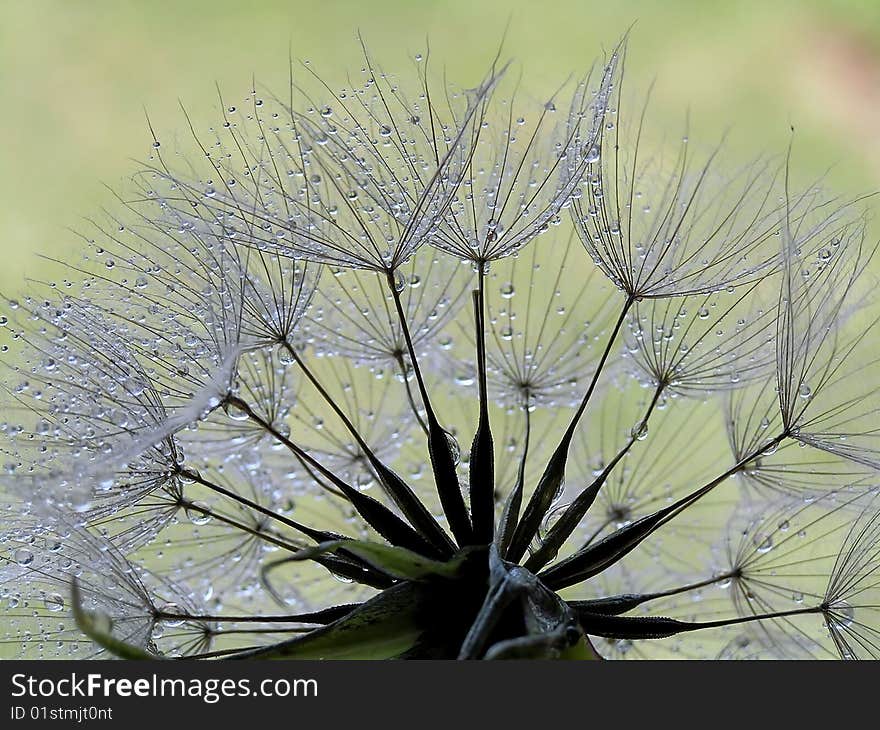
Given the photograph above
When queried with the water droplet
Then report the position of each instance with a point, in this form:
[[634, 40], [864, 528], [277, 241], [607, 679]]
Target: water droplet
[[54, 602], [235, 412], [363, 480], [285, 357], [196, 513], [454, 448], [507, 290], [640, 431], [189, 476], [844, 614], [174, 610], [23, 556]]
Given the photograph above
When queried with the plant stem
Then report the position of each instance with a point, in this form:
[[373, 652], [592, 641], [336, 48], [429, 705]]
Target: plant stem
[[397, 489], [482, 462], [575, 512], [444, 466], [554, 474]]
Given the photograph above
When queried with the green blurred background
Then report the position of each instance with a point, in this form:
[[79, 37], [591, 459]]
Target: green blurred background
[[76, 76]]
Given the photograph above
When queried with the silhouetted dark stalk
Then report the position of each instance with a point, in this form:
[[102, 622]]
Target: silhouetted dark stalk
[[571, 518], [385, 522], [288, 630], [217, 654], [615, 605], [317, 535], [204, 294], [316, 617], [410, 397], [397, 489], [651, 627], [554, 474], [593, 559], [482, 461], [442, 461], [261, 534], [512, 505]]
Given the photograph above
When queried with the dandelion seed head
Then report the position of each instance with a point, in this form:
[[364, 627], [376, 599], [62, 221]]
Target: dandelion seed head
[[376, 349]]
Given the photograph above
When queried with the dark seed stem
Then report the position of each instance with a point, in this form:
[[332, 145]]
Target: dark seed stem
[[510, 514], [377, 515], [261, 534], [410, 396], [445, 470], [317, 617], [554, 473], [593, 559], [571, 518], [482, 462], [193, 476], [659, 627], [397, 489]]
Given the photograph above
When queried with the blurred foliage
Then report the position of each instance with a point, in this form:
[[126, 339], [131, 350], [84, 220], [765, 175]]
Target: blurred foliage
[[77, 75]]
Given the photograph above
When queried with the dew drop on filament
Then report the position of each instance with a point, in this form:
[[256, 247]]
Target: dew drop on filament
[[23, 556], [235, 412]]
